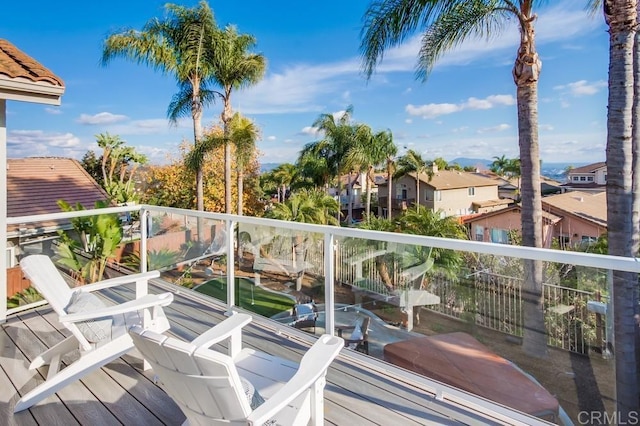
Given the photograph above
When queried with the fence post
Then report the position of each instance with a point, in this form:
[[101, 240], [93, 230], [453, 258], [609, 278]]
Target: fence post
[[329, 280]]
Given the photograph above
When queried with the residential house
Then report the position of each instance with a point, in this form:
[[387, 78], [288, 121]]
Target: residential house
[[358, 192], [570, 219], [455, 193], [589, 178], [34, 186]]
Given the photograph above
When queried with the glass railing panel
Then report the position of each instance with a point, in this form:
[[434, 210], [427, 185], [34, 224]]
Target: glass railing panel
[[281, 273], [461, 318]]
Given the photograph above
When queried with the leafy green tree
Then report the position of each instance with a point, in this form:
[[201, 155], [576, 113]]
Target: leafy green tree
[[119, 163], [92, 165], [174, 46], [412, 162], [444, 25], [97, 237], [499, 165], [312, 172], [441, 163]]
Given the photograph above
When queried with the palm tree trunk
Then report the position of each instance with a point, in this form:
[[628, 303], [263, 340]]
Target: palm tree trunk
[[526, 72], [350, 200], [417, 191], [621, 18], [226, 118], [368, 206], [196, 114], [389, 190], [240, 190]]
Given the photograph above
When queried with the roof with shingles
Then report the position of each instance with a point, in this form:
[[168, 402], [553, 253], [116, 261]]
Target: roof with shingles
[[452, 179], [589, 168], [588, 206], [34, 185], [15, 64]]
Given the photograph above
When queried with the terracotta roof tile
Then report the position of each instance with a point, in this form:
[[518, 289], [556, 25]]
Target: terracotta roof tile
[[16, 64], [34, 185]]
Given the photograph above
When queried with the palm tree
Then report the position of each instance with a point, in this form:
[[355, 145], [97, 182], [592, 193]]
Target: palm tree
[[284, 175], [622, 179], [244, 134], [445, 24], [174, 46], [371, 151], [339, 138], [412, 162], [234, 67], [307, 206], [499, 165], [313, 170]]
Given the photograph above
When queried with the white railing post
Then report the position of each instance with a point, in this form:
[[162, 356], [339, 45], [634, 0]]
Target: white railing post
[[144, 233], [3, 210], [231, 281], [329, 279]]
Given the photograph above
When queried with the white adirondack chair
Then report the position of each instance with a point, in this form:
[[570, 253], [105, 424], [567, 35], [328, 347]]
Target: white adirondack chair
[[213, 388], [98, 331]]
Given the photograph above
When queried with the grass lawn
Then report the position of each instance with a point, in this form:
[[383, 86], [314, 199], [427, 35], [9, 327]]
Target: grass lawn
[[248, 296]]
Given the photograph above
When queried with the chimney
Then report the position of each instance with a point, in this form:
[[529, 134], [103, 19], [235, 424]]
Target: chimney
[[434, 167]]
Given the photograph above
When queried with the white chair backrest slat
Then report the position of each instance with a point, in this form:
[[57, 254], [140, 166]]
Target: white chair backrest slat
[[47, 280]]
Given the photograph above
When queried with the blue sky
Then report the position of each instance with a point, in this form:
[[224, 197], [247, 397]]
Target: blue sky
[[465, 109]]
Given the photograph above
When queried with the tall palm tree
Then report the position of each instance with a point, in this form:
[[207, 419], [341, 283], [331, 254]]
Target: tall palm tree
[[499, 165], [339, 138], [412, 162], [372, 150], [234, 67], [284, 175], [622, 227], [313, 169], [244, 134], [174, 46], [445, 24], [307, 206]]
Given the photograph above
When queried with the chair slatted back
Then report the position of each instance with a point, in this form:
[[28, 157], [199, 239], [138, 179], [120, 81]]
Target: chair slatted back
[[203, 382], [46, 278]]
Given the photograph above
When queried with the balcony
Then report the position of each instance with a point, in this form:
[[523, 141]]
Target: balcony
[[397, 203], [476, 308]]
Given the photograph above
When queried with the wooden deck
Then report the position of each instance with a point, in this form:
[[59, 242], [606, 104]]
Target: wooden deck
[[358, 392]]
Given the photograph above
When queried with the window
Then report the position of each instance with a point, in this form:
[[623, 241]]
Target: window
[[586, 239], [437, 195], [563, 241], [500, 236], [605, 177], [589, 178], [576, 178], [583, 178], [479, 233], [472, 191]]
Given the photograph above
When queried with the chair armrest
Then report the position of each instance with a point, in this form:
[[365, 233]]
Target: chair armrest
[[125, 279], [229, 328], [313, 366], [145, 302]]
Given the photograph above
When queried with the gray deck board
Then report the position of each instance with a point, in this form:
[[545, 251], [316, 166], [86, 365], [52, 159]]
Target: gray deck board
[[121, 393]]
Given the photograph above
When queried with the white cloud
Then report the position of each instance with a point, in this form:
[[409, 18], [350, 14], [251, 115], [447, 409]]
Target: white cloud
[[408, 121], [547, 127], [436, 110], [101, 118], [493, 129], [582, 87], [271, 138], [310, 130], [53, 111], [30, 143]]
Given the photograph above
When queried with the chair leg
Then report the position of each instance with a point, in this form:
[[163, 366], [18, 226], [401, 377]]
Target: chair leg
[[67, 345], [87, 363], [317, 402]]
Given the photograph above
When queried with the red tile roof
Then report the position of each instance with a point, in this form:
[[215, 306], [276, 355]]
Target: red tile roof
[[16, 64], [34, 185]]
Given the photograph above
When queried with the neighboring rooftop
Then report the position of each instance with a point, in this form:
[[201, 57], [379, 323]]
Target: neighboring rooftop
[[22, 78], [34, 185], [453, 179], [588, 206], [589, 168]]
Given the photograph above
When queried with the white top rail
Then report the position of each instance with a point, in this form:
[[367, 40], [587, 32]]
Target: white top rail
[[626, 264]]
